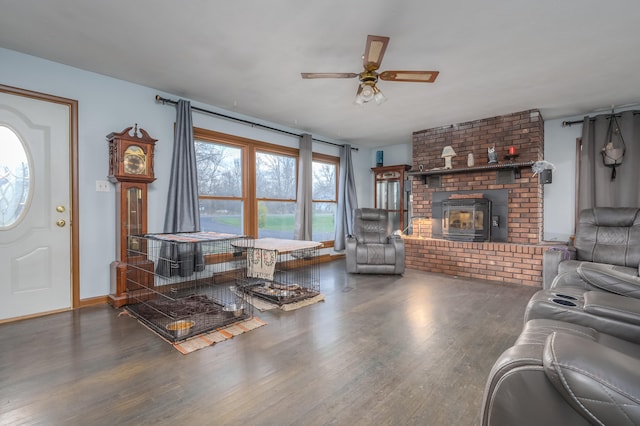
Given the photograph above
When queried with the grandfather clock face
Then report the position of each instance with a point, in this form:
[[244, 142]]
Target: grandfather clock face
[[135, 161]]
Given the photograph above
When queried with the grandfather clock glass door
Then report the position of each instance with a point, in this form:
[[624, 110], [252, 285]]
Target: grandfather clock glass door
[[389, 194], [136, 216]]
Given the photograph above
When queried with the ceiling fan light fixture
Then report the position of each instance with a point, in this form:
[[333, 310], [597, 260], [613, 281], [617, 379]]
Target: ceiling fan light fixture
[[367, 92], [378, 96]]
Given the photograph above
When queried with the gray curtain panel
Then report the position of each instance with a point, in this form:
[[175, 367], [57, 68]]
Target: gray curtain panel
[[182, 213], [596, 188], [347, 199], [182, 203], [304, 203]]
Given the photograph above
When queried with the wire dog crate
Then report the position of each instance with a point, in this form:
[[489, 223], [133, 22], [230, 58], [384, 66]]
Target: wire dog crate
[[281, 271], [181, 285]]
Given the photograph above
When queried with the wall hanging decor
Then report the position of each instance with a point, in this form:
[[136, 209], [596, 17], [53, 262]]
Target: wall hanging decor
[[614, 147]]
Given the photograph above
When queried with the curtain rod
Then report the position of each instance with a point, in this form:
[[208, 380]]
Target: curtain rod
[[240, 120], [569, 123]]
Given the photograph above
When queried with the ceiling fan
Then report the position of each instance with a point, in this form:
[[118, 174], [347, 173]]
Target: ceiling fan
[[371, 60]]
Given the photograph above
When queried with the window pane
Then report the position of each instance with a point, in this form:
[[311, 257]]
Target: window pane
[[222, 216], [219, 169], [14, 178], [276, 219], [323, 221], [324, 181], [275, 176]]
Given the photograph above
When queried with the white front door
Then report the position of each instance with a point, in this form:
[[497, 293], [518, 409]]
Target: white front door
[[35, 207]]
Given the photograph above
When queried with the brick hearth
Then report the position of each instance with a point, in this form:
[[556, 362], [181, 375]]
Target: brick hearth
[[519, 260]]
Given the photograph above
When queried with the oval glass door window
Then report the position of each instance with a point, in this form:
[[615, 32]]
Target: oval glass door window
[[15, 185]]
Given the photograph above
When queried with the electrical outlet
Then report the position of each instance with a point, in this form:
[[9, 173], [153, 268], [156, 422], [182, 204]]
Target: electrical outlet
[[102, 186]]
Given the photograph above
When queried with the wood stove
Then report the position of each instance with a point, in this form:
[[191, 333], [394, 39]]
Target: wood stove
[[466, 219]]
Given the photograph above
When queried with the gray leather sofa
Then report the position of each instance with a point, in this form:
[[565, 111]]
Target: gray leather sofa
[[577, 360], [372, 249], [606, 255], [559, 373]]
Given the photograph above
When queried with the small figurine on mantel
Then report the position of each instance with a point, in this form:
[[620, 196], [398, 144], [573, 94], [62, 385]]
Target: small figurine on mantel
[[470, 160], [492, 154]]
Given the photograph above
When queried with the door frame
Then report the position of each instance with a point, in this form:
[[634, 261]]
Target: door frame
[[73, 174]]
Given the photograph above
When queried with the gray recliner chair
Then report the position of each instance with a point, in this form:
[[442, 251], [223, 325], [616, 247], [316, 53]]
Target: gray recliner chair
[[606, 256], [564, 374], [372, 249]]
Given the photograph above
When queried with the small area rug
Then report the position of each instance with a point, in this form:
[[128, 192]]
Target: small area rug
[[209, 338], [216, 336], [263, 305]]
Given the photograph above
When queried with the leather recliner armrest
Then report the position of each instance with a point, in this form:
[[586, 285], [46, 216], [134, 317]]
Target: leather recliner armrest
[[397, 242], [614, 306], [607, 278], [600, 383], [350, 245], [398, 245], [551, 260]]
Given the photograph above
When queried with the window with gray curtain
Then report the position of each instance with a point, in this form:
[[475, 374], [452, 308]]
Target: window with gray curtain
[[249, 187], [596, 188]]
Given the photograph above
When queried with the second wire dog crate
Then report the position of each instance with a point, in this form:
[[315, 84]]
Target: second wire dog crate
[[281, 271], [181, 285]]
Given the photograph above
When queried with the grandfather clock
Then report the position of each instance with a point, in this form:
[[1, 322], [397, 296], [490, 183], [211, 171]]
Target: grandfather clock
[[131, 169]]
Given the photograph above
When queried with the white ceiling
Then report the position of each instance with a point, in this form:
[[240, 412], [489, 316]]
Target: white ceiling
[[564, 57]]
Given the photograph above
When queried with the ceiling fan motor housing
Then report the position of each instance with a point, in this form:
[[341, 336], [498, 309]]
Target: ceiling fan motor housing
[[368, 80]]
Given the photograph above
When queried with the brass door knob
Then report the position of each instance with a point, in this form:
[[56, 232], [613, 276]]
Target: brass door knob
[[61, 223], [60, 209]]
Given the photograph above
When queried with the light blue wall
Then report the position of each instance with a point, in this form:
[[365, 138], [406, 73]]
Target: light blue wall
[[108, 105], [394, 154], [559, 196]]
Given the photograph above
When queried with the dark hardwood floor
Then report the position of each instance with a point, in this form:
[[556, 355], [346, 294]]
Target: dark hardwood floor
[[381, 350]]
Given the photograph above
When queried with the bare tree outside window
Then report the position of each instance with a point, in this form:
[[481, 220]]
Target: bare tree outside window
[[324, 201], [276, 194], [14, 178], [220, 187], [275, 176]]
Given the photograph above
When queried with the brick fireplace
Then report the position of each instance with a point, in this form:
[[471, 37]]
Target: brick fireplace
[[516, 257]]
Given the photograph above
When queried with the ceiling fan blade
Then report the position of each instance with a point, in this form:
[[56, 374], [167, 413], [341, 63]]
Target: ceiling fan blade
[[374, 51], [413, 76], [328, 75]]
